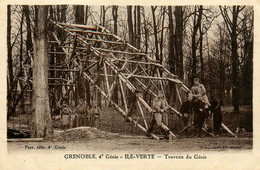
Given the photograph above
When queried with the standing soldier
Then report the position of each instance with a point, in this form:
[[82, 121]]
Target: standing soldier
[[215, 108], [95, 115], [65, 113], [160, 106], [188, 115], [199, 116], [81, 111], [73, 115]]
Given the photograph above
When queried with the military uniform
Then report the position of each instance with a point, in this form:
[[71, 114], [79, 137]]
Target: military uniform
[[73, 117], [188, 116], [95, 116], [199, 92], [217, 115], [160, 106], [199, 115], [81, 119], [65, 112], [186, 110]]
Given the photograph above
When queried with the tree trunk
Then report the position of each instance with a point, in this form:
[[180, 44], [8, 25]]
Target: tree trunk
[[20, 75], [201, 56], [29, 44], [235, 89], [138, 34], [171, 56], [130, 25], [162, 32], [178, 13], [86, 14], [155, 33], [221, 68], [41, 122], [10, 63], [115, 17], [83, 91], [145, 32], [79, 14], [196, 25]]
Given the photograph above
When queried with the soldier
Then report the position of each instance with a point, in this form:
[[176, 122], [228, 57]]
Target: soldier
[[217, 116], [73, 115], [160, 106], [95, 115], [199, 92], [65, 113], [199, 115], [188, 116], [81, 112]]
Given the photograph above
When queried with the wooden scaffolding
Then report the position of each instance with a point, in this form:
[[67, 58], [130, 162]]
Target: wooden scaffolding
[[107, 62]]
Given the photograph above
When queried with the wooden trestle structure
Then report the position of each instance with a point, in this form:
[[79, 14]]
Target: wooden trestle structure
[[94, 51]]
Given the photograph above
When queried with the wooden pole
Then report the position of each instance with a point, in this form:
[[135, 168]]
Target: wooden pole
[[228, 130], [106, 79], [142, 113], [123, 96], [178, 93], [161, 84]]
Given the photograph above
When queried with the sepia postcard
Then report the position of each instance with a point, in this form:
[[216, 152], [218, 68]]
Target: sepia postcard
[[129, 85]]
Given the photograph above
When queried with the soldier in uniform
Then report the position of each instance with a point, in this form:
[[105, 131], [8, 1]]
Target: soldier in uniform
[[95, 115], [160, 106], [65, 113], [199, 92], [81, 111], [215, 108], [188, 116], [201, 106], [199, 116], [73, 115]]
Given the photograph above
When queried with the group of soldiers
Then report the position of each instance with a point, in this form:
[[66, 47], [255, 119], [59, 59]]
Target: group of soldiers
[[197, 113], [75, 116]]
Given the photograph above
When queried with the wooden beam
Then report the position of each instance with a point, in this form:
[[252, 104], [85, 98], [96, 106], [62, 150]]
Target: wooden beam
[[120, 52], [178, 93], [228, 130], [123, 96], [115, 36], [56, 84], [63, 70], [161, 84], [142, 113], [78, 26], [107, 82], [56, 52], [104, 41], [91, 32], [138, 62]]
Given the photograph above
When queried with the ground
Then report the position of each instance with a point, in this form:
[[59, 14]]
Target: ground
[[116, 135], [142, 144]]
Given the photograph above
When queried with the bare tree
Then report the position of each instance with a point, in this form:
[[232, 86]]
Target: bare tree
[[196, 25], [130, 25], [156, 42], [41, 121], [10, 62], [179, 22], [232, 26]]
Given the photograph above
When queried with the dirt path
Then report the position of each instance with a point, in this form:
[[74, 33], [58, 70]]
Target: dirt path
[[138, 144]]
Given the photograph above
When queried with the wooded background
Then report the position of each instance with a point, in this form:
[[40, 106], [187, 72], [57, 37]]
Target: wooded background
[[213, 43]]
